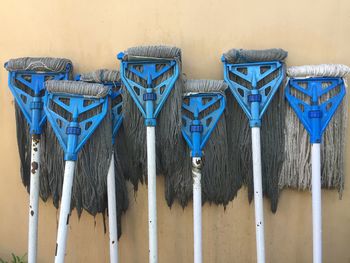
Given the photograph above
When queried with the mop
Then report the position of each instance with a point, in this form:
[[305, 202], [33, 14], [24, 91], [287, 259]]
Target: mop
[[149, 75], [26, 82], [254, 77], [89, 191], [204, 103], [296, 172], [115, 177], [315, 93], [83, 106], [239, 137], [219, 184]]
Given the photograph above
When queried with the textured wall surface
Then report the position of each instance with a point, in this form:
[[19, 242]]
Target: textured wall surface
[[91, 33]]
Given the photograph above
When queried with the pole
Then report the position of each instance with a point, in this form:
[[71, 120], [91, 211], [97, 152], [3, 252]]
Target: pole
[[152, 192], [197, 208], [112, 213], [316, 203], [258, 195], [65, 212], [34, 199]]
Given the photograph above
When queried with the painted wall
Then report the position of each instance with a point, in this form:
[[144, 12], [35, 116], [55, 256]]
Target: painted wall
[[91, 33]]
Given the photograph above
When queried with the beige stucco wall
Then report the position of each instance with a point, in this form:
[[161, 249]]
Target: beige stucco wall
[[91, 33]]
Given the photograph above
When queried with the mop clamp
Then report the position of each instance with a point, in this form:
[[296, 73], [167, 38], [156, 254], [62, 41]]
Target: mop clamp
[[201, 112], [316, 114], [254, 85], [75, 127], [148, 96], [27, 87]]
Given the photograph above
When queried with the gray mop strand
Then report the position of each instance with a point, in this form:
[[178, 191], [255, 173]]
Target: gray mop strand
[[296, 172], [44, 64], [168, 127], [218, 185], [113, 76], [272, 130], [89, 186]]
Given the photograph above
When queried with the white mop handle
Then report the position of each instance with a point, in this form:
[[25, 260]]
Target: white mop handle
[[152, 193], [258, 195], [197, 209], [316, 203], [64, 212], [112, 213], [34, 199]]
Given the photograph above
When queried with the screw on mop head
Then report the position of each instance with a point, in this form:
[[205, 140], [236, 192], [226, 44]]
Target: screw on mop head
[[26, 82], [111, 78], [254, 78], [80, 110], [151, 75], [315, 93]]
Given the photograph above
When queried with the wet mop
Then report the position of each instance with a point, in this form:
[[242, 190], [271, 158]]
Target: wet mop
[[83, 106], [315, 93], [254, 76], [204, 103], [150, 75], [26, 82], [117, 199]]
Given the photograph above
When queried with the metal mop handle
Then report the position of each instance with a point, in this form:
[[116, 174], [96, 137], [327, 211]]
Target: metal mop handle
[[64, 212], [197, 208], [112, 213], [258, 195], [34, 199], [152, 194], [316, 203]]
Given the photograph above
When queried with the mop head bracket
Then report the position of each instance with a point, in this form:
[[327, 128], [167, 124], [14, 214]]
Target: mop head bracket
[[74, 130], [29, 92], [201, 112], [148, 95], [316, 112], [254, 85]]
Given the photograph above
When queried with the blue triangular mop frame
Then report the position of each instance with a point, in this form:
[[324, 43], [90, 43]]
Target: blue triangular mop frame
[[254, 101]]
